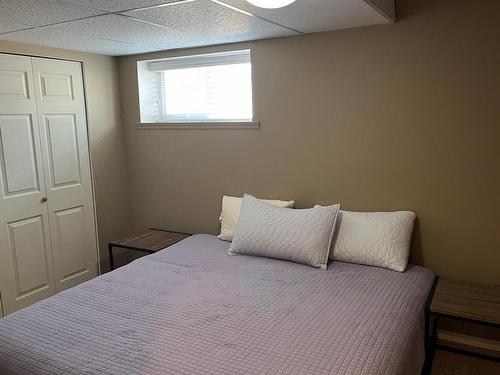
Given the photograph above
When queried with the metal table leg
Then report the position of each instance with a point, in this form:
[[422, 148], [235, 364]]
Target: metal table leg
[[111, 263]]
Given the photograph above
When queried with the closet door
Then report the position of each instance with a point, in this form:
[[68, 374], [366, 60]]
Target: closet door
[[26, 273], [61, 115]]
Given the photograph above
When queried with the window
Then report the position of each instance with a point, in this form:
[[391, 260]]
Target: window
[[199, 88]]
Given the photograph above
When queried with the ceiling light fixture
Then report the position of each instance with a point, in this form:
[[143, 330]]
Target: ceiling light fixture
[[271, 4]]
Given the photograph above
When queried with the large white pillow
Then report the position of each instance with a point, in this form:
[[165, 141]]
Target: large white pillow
[[301, 236], [231, 207], [380, 239]]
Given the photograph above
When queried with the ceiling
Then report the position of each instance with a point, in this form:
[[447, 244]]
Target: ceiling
[[124, 27]]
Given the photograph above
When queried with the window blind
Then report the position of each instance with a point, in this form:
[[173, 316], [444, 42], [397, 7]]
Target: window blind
[[199, 61], [197, 88]]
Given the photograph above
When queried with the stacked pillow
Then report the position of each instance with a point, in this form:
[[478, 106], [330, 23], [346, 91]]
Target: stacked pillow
[[231, 207], [301, 236], [313, 236]]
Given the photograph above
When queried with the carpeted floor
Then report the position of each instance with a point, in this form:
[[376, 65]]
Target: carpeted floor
[[447, 363]]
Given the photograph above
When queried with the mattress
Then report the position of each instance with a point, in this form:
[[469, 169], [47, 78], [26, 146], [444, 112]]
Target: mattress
[[193, 309]]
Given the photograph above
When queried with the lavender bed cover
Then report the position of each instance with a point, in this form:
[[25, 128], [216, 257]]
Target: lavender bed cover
[[193, 309]]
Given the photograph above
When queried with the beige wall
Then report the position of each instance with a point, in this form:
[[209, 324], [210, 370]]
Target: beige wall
[[400, 116], [105, 134]]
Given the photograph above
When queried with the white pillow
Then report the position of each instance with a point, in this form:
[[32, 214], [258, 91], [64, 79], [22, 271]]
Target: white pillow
[[301, 236], [380, 239], [231, 207]]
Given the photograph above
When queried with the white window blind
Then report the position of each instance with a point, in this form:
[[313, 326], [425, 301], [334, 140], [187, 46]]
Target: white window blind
[[201, 88]]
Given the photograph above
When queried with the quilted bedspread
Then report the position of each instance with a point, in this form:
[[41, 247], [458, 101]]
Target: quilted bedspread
[[193, 309]]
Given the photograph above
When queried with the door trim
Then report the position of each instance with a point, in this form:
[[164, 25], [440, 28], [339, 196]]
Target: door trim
[[91, 164]]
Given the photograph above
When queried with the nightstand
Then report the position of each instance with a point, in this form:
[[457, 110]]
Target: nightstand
[[148, 241], [470, 302]]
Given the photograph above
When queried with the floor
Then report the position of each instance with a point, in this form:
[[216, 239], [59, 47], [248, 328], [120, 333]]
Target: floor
[[447, 363]]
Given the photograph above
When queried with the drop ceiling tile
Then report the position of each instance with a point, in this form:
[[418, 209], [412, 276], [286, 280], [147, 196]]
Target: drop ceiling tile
[[119, 28], [84, 25], [6, 27], [41, 12], [203, 22], [119, 5], [320, 15], [75, 42]]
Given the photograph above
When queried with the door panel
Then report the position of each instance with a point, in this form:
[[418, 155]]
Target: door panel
[[63, 149], [13, 84], [72, 244], [30, 256], [26, 272], [61, 108], [17, 156], [56, 86]]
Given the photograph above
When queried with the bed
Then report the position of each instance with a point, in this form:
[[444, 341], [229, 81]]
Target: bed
[[193, 309]]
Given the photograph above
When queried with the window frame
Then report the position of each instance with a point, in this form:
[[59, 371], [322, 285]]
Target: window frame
[[191, 60]]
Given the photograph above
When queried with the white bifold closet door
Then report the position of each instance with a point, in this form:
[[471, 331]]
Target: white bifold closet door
[[47, 225]]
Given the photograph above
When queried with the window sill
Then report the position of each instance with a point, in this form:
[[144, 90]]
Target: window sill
[[201, 125]]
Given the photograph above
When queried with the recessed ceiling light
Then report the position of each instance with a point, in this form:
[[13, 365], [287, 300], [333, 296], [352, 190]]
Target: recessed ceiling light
[[271, 4]]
